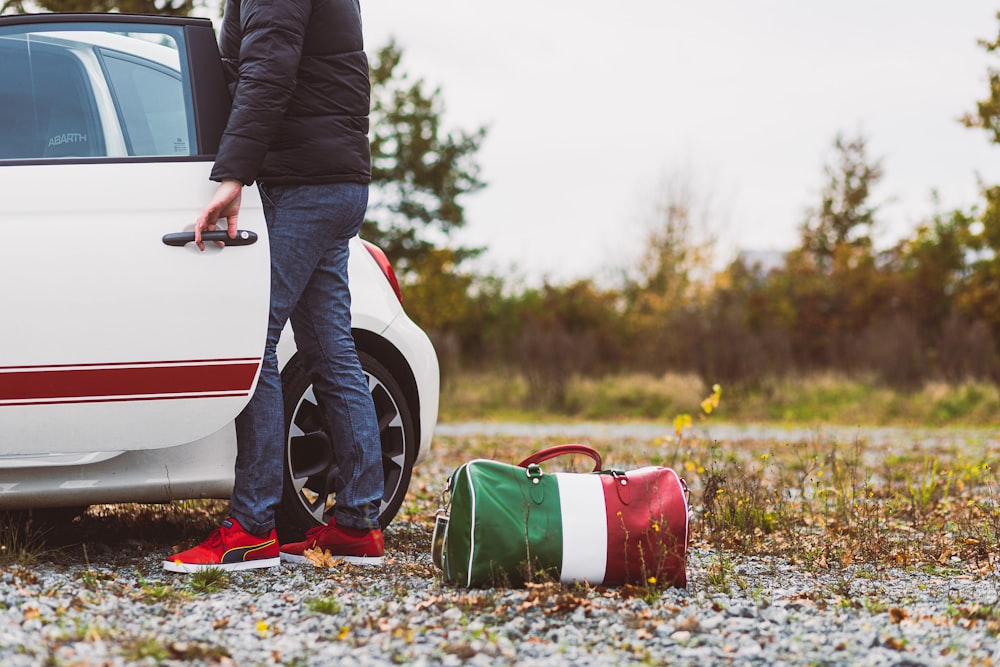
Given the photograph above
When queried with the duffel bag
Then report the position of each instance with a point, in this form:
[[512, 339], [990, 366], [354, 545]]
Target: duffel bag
[[507, 524]]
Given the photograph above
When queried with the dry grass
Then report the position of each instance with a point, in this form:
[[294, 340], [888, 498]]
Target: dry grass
[[838, 504], [818, 503]]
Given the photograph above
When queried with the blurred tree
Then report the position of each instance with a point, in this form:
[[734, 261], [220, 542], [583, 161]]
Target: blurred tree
[[566, 332], [495, 320], [439, 298], [671, 278], [987, 114], [802, 301], [845, 216], [741, 341], [420, 171], [928, 268], [678, 247], [980, 288], [832, 283]]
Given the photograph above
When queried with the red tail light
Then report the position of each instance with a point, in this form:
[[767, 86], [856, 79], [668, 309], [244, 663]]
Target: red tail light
[[385, 265]]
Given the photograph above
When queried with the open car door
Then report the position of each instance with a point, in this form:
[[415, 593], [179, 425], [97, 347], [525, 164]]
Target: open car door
[[116, 335]]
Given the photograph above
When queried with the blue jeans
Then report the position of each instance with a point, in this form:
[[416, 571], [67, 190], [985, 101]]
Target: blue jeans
[[309, 228]]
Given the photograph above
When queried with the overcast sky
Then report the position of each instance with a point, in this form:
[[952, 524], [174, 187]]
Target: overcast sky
[[592, 105]]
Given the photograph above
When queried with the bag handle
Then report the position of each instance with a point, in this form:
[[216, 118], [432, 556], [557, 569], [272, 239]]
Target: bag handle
[[560, 450]]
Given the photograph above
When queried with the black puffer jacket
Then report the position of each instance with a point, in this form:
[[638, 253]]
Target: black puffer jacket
[[301, 93]]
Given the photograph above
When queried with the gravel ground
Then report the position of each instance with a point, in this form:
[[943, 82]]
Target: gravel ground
[[744, 611]]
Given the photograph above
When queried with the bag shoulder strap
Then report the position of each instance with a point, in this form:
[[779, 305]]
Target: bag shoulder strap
[[560, 450]]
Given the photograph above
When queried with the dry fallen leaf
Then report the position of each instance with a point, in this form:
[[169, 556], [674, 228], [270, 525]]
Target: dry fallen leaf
[[689, 624], [321, 557], [896, 614], [895, 644], [429, 602]]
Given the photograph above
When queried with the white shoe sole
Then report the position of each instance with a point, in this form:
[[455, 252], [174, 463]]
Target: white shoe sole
[[185, 568], [353, 560]]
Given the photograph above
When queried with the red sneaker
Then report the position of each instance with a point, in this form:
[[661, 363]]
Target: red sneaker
[[228, 548], [361, 547]]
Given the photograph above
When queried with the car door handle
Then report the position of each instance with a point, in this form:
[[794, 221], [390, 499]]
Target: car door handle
[[243, 237]]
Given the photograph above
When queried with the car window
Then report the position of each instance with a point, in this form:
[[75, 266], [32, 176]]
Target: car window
[[72, 93], [150, 103], [48, 104]]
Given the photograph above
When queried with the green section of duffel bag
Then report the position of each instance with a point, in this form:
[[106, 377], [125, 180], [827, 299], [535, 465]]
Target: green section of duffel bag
[[505, 525]]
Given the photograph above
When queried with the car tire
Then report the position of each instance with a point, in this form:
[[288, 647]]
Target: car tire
[[310, 462]]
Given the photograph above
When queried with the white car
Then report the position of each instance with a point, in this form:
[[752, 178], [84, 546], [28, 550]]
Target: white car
[[125, 353]]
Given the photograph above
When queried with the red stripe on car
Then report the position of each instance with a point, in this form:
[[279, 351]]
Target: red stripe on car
[[123, 381]]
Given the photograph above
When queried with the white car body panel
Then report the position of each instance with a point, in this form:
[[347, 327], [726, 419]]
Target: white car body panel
[[413, 343], [166, 342]]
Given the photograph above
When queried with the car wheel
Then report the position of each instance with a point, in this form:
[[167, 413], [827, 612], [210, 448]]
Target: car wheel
[[311, 465]]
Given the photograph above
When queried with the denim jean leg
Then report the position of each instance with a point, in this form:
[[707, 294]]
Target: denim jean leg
[[260, 451], [309, 228], [323, 333], [260, 427], [322, 325]]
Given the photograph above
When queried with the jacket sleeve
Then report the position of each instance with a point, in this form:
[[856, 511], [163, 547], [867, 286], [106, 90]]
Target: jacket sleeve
[[272, 34]]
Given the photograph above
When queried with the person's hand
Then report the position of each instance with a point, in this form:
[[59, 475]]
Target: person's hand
[[225, 204]]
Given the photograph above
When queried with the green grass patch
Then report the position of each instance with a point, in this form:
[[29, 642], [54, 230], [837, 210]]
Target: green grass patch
[[209, 580], [325, 605], [150, 649], [818, 399]]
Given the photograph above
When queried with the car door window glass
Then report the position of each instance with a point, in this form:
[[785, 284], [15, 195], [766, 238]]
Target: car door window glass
[[150, 103], [48, 107], [72, 93], [17, 110], [65, 107]]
